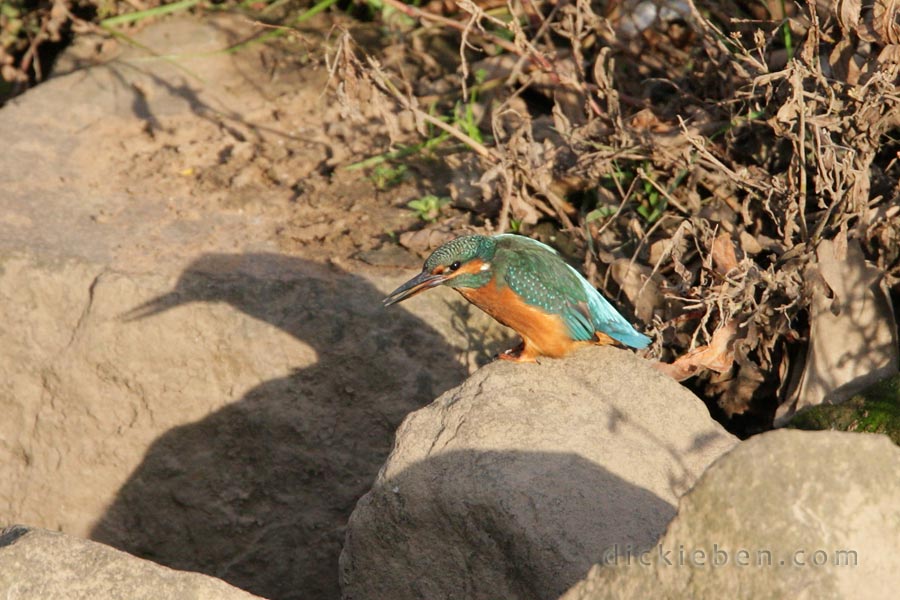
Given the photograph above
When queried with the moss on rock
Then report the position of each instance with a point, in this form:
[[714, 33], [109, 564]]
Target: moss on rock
[[876, 410]]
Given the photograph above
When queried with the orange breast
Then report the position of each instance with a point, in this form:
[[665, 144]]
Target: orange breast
[[543, 333]]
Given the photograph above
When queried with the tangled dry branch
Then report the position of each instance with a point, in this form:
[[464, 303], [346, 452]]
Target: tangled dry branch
[[698, 171]]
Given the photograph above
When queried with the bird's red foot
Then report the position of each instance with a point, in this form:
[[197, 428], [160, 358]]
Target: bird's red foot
[[512, 354], [517, 354]]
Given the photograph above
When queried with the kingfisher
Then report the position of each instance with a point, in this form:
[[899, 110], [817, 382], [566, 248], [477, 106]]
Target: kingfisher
[[527, 286]]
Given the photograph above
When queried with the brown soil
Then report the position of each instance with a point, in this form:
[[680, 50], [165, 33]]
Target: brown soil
[[273, 151]]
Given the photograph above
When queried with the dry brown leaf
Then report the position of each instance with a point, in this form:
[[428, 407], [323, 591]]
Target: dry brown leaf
[[749, 244], [847, 13], [641, 286], [646, 120], [568, 109], [767, 194], [884, 21], [425, 240], [888, 61], [845, 61], [495, 67], [724, 258], [736, 392], [853, 332], [660, 249], [718, 356]]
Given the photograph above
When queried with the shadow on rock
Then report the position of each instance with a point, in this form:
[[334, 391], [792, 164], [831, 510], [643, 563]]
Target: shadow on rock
[[514, 483], [258, 493], [494, 524]]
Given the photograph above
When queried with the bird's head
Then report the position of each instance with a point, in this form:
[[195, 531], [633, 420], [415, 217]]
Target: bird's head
[[461, 263]]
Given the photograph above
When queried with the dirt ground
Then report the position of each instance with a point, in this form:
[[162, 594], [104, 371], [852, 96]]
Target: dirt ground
[[279, 157]]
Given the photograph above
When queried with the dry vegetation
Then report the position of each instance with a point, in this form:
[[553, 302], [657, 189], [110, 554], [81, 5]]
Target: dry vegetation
[[28, 28], [697, 156], [727, 170]]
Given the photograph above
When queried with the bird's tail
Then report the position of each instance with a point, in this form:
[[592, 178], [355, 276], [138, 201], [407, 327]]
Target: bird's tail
[[608, 320], [632, 338]]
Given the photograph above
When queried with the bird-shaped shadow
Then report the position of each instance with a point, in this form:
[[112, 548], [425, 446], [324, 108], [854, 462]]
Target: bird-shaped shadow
[[258, 493]]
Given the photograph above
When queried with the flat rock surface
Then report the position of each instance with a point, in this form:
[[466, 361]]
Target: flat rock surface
[[513, 484]]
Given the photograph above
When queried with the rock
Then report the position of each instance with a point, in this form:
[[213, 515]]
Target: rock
[[226, 422], [230, 425], [513, 484], [785, 514], [35, 563], [875, 410]]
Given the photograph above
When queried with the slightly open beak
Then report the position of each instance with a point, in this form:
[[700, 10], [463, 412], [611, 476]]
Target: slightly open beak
[[419, 283]]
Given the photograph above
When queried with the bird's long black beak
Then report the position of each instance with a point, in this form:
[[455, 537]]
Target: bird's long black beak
[[419, 283]]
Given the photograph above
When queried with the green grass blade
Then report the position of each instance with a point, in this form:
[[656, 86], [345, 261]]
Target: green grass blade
[[397, 154], [280, 31], [150, 12], [313, 11]]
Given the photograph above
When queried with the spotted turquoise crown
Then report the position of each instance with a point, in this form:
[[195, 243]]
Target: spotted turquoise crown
[[462, 249]]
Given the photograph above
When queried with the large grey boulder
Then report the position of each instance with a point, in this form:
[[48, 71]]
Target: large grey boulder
[[45, 565], [185, 373], [513, 484], [785, 514], [224, 421]]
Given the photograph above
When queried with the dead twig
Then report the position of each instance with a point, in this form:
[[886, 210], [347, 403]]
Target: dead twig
[[382, 80]]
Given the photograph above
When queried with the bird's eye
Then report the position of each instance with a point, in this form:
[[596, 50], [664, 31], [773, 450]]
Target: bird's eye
[[455, 266]]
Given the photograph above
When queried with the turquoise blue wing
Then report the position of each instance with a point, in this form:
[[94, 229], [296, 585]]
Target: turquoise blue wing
[[537, 274], [542, 280]]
